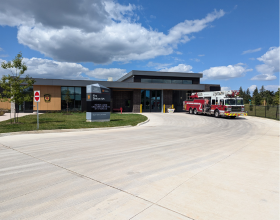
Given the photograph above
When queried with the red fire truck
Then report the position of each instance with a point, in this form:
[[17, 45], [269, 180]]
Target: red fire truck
[[219, 103]]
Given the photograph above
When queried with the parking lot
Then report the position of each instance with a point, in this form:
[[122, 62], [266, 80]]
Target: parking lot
[[176, 166]]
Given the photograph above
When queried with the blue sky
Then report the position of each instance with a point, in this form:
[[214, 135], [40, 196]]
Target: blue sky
[[233, 43]]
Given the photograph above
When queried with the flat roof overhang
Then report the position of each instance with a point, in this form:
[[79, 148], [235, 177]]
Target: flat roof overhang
[[120, 85], [158, 73]]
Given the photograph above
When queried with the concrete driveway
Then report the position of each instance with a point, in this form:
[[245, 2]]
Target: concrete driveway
[[177, 166]]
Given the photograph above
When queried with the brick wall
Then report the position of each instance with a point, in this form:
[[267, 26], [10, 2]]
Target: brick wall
[[167, 99], [136, 100], [120, 98]]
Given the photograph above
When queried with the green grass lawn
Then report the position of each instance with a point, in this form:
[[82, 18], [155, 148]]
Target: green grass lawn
[[49, 121]]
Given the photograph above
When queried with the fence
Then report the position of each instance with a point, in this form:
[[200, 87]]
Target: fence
[[263, 111]]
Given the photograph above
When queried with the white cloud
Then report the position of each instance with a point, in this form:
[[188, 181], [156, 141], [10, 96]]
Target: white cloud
[[252, 51], [270, 66], [158, 65], [252, 88], [44, 68], [1, 49], [3, 71], [195, 59], [102, 73], [100, 31], [201, 55], [225, 88], [272, 87], [84, 15], [226, 72], [180, 68], [264, 77]]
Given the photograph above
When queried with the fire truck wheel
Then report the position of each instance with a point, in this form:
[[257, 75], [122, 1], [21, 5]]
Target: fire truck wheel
[[195, 111], [232, 116], [217, 114], [190, 111]]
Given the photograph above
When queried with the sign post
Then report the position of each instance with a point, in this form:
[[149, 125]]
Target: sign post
[[37, 99], [98, 103]]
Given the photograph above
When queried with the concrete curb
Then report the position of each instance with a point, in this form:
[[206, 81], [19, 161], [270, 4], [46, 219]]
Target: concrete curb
[[144, 122], [69, 130], [61, 130]]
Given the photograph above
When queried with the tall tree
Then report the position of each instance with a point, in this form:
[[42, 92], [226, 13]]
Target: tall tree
[[241, 92], [255, 92], [247, 96], [248, 92], [257, 99], [256, 96], [262, 91], [13, 84], [268, 96]]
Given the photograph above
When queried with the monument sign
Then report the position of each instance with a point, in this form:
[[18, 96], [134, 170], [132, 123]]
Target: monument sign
[[98, 103]]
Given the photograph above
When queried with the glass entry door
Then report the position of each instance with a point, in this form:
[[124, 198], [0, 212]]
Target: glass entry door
[[151, 100]]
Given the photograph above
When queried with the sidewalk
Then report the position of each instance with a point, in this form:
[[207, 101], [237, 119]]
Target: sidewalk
[[8, 115]]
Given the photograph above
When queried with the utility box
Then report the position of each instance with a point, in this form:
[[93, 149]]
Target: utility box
[[98, 103]]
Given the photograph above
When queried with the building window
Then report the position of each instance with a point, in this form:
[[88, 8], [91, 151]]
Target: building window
[[170, 81], [176, 81], [187, 81], [146, 80], [75, 95]]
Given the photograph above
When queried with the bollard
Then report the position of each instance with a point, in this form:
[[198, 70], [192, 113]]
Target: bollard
[[140, 108], [121, 110], [163, 108], [172, 106]]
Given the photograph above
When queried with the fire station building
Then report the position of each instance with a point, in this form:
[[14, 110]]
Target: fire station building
[[152, 89]]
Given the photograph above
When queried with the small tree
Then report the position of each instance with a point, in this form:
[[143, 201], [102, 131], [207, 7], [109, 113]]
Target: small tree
[[13, 85], [67, 98]]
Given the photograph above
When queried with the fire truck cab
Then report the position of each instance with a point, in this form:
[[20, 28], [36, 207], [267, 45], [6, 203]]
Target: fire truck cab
[[219, 103]]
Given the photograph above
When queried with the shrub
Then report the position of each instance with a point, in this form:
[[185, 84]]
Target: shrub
[[2, 112]]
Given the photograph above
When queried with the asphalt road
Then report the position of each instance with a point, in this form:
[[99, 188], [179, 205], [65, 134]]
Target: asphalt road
[[177, 166]]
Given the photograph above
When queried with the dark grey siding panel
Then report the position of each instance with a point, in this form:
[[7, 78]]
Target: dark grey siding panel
[[130, 79], [212, 87], [123, 85], [194, 79], [157, 74], [215, 88]]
